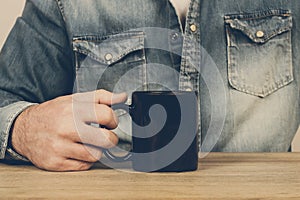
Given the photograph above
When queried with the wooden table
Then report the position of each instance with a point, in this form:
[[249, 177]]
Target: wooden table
[[220, 176]]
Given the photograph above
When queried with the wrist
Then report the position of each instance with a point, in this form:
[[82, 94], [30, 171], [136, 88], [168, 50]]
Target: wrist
[[17, 139]]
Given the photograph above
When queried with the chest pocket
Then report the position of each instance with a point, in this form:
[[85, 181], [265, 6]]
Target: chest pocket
[[113, 62], [259, 51]]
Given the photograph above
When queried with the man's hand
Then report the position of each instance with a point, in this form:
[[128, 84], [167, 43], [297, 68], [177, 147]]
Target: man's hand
[[57, 135]]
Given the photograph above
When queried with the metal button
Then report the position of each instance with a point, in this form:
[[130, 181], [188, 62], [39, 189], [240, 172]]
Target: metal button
[[108, 57], [193, 28], [174, 36], [260, 34]]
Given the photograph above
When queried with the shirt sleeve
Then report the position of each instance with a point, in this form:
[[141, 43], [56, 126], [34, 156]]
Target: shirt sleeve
[[8, 115], [36, 65]]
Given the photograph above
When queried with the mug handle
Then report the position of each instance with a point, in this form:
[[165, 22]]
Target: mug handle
[[109, 154]]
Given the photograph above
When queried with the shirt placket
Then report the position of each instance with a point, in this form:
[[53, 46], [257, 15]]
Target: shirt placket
[[191, 55]]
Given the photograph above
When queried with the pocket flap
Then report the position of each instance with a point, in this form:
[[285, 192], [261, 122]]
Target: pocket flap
[[261, 26], [109, 49]]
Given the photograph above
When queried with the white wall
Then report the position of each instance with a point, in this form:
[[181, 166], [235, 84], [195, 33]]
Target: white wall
[[9, 10]]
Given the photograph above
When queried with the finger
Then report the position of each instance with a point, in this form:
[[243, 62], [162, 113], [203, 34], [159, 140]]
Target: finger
[[108, 98], [83, 152], [98, 137], [74, 165], [95, 113], [100, 97], [60, 164]]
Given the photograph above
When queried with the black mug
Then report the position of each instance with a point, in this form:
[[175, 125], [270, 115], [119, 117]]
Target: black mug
[[164, 131]]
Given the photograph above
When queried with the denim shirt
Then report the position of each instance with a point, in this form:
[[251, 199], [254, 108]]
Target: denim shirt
[[240, 55]]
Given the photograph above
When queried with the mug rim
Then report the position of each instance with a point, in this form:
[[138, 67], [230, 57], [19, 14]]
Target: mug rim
[[163, 92]]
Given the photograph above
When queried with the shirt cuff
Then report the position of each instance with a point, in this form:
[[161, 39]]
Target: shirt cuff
[[12, 155], [8, 114]]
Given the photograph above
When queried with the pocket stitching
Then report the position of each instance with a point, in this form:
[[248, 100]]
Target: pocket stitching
[[262, 91], [230, 19], [121, 54]]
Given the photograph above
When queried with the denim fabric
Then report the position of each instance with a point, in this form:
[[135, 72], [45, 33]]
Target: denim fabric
[[240, 55], [277, 73]]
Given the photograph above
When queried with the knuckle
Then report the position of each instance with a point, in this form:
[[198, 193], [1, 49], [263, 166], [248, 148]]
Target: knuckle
[[56, 147], [110, 140], [59, 165], [63, 99], [90, 156], [58, 99], [54, 164], [102, 92], [67, 109], [93, 159], [114, 139], [107, 116], [115, 119], [97, 154], [75, 135], [82, 166]]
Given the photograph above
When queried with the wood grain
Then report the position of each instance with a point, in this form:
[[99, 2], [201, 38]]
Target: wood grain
[[220, 176]]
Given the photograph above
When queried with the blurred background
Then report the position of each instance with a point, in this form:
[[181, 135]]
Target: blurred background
[[11, 9]]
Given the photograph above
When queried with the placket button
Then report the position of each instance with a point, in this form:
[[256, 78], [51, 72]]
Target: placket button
[[174, 36], [193, 28]]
